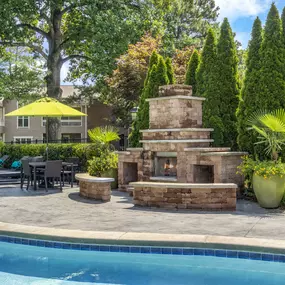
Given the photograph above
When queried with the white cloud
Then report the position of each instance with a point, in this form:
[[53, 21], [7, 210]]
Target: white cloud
[[243, 38], [234, 9]]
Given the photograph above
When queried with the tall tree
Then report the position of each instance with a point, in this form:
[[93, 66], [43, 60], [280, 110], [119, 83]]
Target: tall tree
[[249, 95], [170, 70], [157, 77], [192, 68], [89, 34], [187, 22], [227, 83], [272, 84], [207, 76], [283, 23]]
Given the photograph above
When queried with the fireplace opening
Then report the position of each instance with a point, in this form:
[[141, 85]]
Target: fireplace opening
[[203, 174], [166, 165]]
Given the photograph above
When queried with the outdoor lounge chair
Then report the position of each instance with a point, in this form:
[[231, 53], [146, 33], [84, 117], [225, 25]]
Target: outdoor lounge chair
[[3, 159]]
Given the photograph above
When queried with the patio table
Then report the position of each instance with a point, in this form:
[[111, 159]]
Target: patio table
[[42, 165]]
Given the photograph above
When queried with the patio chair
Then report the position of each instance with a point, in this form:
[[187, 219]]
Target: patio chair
[[66, 173], [52, 170], [3, 159], [26, 173]]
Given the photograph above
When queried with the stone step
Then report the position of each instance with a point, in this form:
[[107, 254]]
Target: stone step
[[177, 130], [207, 149], [227, 153]]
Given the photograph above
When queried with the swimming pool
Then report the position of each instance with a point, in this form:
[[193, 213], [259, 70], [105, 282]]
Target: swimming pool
[[34, 265]]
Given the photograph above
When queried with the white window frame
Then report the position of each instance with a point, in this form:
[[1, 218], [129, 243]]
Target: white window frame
[[18, 127], [22, 137], [76, 119], [23, 127]]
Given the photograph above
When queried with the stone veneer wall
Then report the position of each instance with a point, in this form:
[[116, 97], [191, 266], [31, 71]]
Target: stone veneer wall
[[164, 196], [175, 113], [98, 191]]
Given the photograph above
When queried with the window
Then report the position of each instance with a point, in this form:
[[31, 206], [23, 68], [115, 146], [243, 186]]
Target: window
[[23, 122], [67, 121], [23, 140]]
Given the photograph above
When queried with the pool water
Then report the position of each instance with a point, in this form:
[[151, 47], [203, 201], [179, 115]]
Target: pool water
[[23, 264]]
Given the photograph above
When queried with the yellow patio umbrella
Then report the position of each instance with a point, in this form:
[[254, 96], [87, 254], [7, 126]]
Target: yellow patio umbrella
[[46, 107]]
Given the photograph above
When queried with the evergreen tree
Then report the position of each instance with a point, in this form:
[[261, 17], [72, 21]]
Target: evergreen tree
[[192, 70], [206, 87], [208, 58], [170, 70], [135, 135], [157, 76], [227, 84], [283, 23], [272, 84], [250, 91]]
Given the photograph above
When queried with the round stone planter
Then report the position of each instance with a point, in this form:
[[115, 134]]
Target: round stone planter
[[269, 192], [97, 188]]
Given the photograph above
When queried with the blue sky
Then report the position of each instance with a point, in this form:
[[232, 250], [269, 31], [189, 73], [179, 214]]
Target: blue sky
[[241, 14]]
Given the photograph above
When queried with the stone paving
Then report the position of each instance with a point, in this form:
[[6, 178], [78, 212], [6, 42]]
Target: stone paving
[[67, 210]]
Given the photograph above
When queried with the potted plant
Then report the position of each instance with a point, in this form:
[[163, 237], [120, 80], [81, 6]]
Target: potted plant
[[105, 163], [268, 175]]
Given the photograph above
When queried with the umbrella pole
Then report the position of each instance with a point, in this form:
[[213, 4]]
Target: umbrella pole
[[47, 136]]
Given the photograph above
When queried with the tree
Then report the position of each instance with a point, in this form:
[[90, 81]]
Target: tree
[[227, 84], [207, 76], [157, 77], [20, 75], [283, 23], [187, 23], [192, 70], [126, 82], [249, 94], [89, 34], [170, 71], [272, 84]]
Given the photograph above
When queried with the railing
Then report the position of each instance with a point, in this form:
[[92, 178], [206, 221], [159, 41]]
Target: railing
[[120, 145]]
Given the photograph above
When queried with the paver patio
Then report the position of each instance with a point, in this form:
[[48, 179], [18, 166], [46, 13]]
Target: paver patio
[[67, 210]]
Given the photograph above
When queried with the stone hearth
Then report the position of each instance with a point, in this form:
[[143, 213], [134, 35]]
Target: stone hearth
[[177, 149]]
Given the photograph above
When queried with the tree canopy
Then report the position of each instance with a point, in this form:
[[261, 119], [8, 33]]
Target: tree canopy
[[192, 71]]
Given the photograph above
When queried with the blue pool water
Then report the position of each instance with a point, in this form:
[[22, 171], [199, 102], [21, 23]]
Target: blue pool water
[[23, 264]]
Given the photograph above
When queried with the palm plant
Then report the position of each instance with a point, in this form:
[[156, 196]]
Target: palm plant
[[271, 129], [104, 135]]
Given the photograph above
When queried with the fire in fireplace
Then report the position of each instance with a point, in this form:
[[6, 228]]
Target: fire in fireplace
[[166, 164]]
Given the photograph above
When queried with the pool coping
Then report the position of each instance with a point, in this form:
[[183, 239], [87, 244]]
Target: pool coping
[[143, 239]]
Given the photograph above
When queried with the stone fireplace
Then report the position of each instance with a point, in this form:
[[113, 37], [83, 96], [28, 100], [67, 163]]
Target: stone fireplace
[[176, 153]]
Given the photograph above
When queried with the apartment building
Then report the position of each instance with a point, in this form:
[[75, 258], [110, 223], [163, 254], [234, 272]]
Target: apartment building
[[29, 129]]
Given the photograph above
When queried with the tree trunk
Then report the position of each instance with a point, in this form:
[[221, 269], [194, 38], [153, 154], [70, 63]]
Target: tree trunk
[[53, 78]]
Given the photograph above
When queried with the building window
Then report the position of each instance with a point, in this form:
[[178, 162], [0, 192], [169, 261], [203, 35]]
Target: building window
[[67, 121], [23, 122], [23, 140]]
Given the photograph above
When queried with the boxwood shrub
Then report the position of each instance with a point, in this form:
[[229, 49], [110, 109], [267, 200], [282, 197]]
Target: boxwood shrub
[[56, 151]]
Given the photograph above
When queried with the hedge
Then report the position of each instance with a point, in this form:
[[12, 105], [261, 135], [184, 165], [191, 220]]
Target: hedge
[[56, 151]]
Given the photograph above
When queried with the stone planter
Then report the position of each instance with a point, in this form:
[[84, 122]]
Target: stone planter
[[97, 188], [269, 192]]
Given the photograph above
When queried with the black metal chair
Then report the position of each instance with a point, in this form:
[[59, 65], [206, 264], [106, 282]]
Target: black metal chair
[[52, 170], [37, 159], [67, 173]]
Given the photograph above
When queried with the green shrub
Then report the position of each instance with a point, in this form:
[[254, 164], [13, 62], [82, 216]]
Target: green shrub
[[56, 151], [107, 160]]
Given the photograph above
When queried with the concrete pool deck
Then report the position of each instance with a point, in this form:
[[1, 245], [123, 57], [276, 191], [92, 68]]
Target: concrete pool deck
[[66, 216]]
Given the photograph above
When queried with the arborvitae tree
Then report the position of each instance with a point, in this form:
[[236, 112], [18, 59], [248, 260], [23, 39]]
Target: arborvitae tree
[[206, 87], [250, 91], [192, 68], [207, 63], [157, 76], [170, 70], [272, 84], [227, 84], [135, 135]]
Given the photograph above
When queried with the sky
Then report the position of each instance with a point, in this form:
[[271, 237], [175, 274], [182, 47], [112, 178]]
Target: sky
[[241, 14]]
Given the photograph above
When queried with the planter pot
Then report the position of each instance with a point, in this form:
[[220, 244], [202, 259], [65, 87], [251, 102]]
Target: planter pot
[[269, 192], [112, 173]]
